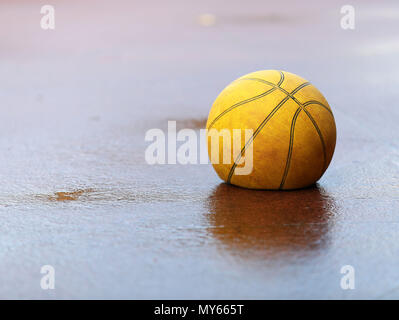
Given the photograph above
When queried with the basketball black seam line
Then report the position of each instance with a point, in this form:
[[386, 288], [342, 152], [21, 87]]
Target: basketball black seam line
[[290, 147], [281, 78], [293, 92], [320, 136], [264, 123], [291, 95], [260, 127], [240, 104], [279, 88], [317, 129], [274, 87], [307, 103]]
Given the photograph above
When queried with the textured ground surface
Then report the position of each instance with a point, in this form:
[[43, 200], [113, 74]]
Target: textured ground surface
[[77, 194]]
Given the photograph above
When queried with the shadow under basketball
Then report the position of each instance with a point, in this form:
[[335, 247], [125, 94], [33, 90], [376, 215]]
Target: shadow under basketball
[[270, 222]]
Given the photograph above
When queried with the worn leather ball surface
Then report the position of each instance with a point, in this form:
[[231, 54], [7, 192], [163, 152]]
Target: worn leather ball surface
[[294, 131]]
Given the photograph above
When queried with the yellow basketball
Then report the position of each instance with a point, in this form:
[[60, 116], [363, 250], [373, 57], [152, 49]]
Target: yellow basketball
[[292, 131]]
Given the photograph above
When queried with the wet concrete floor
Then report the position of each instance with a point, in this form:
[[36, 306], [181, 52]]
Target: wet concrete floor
[[77, 194]]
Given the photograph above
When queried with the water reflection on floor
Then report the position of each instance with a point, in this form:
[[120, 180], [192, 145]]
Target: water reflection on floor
[[270, 223]]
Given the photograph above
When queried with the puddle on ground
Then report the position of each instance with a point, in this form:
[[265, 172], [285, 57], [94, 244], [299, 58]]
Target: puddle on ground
[[101, 196], [70, 195]]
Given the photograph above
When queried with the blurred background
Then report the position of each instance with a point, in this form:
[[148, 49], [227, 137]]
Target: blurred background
[[77, 194]]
